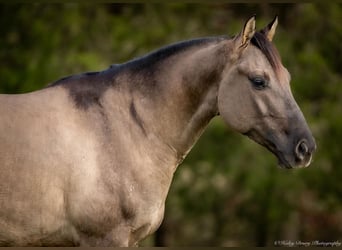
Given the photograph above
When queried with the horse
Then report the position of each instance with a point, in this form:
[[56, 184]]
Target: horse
[[88, 160]]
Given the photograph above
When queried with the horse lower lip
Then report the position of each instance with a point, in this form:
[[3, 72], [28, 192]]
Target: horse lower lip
[[284, 164]]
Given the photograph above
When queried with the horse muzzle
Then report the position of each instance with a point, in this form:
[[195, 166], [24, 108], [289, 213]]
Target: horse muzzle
[[300, 156], [292, 155]]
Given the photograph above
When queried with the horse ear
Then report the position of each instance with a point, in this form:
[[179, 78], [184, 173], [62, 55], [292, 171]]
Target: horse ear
[[243, 39], [270, 29]]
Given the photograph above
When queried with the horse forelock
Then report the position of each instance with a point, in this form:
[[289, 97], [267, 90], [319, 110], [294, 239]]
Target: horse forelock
[[260, 41]]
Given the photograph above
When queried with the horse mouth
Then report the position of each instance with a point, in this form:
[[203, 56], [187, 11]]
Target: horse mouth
[[282, 161]]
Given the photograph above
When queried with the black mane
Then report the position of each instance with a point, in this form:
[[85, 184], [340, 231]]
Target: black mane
[[167, 51]]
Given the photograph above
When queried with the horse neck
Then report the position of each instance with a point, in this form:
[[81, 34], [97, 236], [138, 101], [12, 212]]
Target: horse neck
[[182, 96]]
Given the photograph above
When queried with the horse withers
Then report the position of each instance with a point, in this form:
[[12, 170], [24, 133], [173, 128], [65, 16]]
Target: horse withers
[[89, 159]]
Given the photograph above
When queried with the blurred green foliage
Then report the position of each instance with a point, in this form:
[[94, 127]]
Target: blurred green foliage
[[228, 192]]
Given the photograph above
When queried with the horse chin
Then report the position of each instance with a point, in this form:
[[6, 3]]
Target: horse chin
[[283, 160]]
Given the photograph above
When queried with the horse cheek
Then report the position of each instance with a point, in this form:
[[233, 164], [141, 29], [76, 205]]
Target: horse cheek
[[235, 108]]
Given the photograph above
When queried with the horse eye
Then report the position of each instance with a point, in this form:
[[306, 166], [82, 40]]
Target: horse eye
[[258, 82]]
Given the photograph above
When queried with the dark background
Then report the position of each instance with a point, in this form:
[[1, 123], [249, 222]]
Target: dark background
[[229, 191]]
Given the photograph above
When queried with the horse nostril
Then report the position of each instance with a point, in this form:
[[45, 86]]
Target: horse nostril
[[301, 150]]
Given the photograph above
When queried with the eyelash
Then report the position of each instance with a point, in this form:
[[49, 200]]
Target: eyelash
[[259, 82]]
